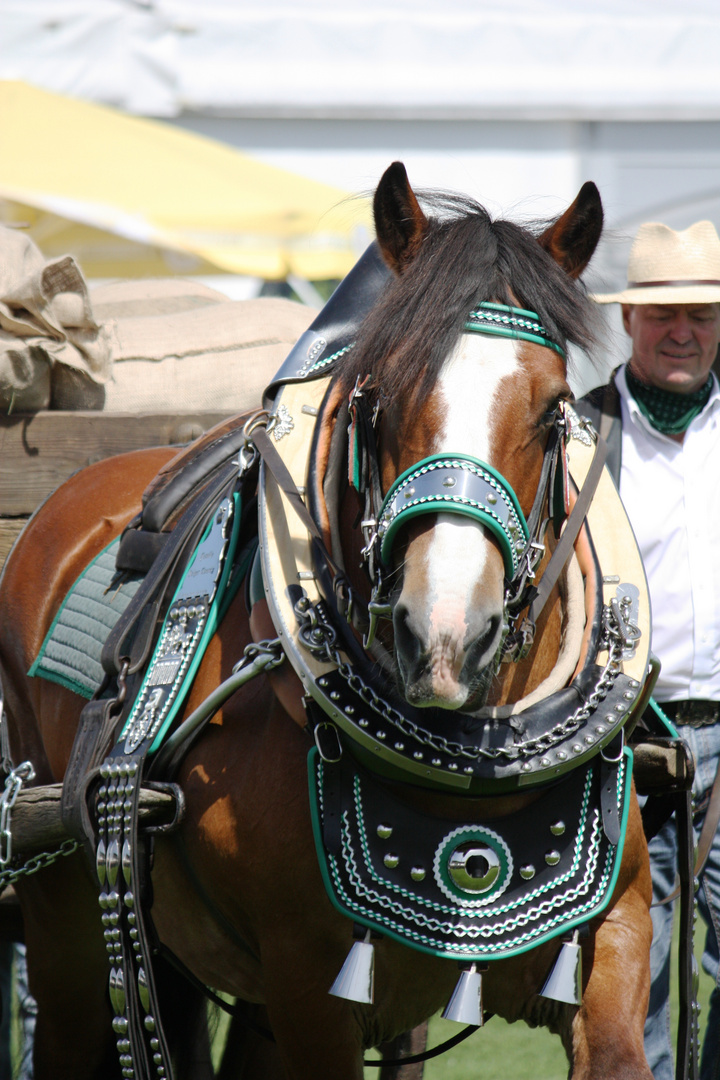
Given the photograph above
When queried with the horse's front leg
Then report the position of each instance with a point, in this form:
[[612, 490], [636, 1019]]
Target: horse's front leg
[[68, 973], [322, 1037], [318, 1037], [607, 1031]]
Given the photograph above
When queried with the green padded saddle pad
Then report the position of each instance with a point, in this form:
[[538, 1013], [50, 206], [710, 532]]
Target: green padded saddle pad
[[70, 654]]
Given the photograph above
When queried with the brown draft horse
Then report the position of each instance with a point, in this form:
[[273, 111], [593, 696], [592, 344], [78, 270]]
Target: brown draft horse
[[238, 894]]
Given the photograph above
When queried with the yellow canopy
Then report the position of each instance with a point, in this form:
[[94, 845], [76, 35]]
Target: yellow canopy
[[135, 197]]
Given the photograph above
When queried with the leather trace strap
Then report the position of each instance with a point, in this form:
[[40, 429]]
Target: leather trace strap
[[425, 1055], [709, 827], [705, 840], [520, 637], [281, 474], [282, 477], [120, 856], [686, 1066]]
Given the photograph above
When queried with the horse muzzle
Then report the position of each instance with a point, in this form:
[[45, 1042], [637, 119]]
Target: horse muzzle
[[441, 668]]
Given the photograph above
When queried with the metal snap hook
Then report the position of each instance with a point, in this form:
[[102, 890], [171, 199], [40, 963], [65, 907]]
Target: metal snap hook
[[619, 740]]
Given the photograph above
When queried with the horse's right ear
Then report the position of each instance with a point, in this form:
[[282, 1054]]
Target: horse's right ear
[[399, 222], [572, 239]]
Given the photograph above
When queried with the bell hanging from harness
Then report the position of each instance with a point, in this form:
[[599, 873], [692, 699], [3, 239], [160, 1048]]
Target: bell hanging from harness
[[465, 1005], [564, 983], [356, 981]]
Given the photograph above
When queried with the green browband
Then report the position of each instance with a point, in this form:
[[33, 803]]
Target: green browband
[[510, 322]]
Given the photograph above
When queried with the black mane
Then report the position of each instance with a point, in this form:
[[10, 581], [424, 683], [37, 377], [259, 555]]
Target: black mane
[[465, 259]]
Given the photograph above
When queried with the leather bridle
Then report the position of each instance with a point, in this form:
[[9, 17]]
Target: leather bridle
[[461, 484]]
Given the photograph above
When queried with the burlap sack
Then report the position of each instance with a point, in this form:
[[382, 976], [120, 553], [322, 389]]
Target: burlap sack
[[117, 300], [217, 356], [46, 320], [153, 345], [151, 296]]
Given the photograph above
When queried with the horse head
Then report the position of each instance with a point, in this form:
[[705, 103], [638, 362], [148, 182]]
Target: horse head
[[465, 419]]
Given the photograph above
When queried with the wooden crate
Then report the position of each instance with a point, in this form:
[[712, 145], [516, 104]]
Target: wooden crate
[[40, 450]]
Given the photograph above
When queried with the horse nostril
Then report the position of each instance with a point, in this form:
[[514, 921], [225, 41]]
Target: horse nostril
[[407, 644], [482, 649]]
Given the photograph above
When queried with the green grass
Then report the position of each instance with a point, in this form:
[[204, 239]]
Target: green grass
[[495, 1052]]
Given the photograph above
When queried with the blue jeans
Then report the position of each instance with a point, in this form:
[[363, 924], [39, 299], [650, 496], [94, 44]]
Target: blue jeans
[[705, 745], [6, 952], [27, 1016], [13, 973]]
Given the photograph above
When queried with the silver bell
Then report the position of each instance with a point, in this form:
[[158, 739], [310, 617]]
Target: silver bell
[[357, 975], [564, 983], [465, 1005]]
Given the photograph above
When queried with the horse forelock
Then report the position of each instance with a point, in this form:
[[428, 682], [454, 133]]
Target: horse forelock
[[465, 259]]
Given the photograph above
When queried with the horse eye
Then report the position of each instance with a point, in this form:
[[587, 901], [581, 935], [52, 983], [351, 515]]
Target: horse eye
[[548, 418]]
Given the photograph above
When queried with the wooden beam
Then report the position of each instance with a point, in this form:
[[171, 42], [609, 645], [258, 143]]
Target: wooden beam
[[36, 824], [40, 450], [10, 529]]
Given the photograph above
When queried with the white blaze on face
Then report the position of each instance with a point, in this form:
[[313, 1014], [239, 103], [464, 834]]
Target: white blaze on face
[[458, 551]]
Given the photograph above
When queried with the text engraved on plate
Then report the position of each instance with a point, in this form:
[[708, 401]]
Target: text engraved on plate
[[172, 650]]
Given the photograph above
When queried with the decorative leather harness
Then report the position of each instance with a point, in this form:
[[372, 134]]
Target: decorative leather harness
[[337, 674], [573, 736]]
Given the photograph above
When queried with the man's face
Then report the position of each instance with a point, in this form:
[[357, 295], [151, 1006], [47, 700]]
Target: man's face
[[673, 345]]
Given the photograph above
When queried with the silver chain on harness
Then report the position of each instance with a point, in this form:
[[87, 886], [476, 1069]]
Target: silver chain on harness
[[320, 639], [14, 782], [15, 778]]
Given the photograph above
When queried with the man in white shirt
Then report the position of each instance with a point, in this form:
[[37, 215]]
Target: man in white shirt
[[661, 416]]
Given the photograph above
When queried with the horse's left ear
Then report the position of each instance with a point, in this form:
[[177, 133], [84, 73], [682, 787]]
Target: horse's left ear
[[572, 239], [399, 222]]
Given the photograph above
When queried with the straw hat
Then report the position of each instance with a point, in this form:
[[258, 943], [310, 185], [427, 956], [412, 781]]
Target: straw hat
[[668, 267]]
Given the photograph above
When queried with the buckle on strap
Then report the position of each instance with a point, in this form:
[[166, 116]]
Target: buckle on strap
[[695, 712]]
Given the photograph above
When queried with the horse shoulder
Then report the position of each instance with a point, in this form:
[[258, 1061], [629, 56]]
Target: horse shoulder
[[67, 531]]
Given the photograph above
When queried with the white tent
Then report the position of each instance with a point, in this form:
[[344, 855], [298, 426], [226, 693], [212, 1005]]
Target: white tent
[[520, 59]]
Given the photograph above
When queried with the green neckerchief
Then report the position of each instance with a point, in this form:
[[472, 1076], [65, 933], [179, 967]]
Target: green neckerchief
[[668, 412]]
